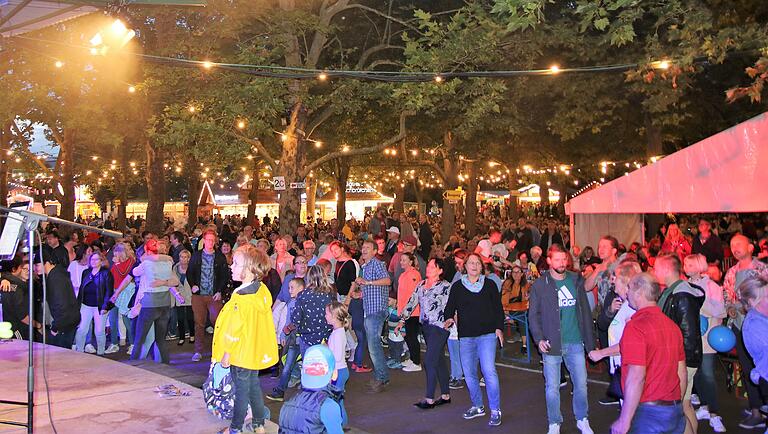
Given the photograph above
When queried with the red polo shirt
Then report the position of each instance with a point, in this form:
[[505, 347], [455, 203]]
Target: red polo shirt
[[652, 340]]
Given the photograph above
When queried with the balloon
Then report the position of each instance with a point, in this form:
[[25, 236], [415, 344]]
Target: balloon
[[722, 339], [704, 321]]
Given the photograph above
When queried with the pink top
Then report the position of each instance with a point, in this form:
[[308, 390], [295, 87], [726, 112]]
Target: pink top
[[406, 284]]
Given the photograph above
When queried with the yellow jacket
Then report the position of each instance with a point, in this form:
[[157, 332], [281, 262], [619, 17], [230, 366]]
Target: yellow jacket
[[245, 329]]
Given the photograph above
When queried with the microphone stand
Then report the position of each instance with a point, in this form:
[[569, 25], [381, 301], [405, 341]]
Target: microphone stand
[[31, 223]]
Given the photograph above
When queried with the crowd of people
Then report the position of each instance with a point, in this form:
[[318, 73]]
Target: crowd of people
[[271, 295]]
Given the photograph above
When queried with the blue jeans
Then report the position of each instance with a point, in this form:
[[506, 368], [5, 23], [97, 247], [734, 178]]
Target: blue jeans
[[247, 391], [373, 325], [481, 348], [358, 326], [573, 355], [453, 352], [340, 385], [658, 419], [705, 384], [291, 356]]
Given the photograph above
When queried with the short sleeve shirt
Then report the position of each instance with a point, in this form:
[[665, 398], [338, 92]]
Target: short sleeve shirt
[[652, 340], [374, 296]]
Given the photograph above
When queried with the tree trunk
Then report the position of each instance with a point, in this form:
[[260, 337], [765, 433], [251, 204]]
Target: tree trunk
[[654, 144], [292, 163], [514, 200], [419, 191], [562, 187], [399, 204], [155, 178], [451, 182], [253, 193], [67, 179], [544, 193], [342, 175], [311, 198], [122, 186], [194, 186], [470, 215]]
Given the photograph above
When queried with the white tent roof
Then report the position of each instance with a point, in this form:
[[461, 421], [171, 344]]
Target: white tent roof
[[727, 172], [22, 16]]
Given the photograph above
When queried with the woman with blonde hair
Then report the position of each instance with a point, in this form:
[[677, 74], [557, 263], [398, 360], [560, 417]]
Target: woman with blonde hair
[[675, 242], [309, 313], [245, 337], [696, 267]]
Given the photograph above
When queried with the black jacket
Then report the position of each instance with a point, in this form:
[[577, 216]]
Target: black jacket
[[712, 249], [683, 307], [105, 287], [221, 273], [544, 243], [65, 310], [544, 313], [426, 239]]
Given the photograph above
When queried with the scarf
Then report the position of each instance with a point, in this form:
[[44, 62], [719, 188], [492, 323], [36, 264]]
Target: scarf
[[473, 287]]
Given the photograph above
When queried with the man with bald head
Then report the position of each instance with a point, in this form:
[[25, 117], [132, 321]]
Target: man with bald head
[[747, 266]]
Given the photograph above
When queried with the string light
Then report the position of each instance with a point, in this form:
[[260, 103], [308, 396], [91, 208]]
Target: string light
[[241, 124], [554, 69], [207, 64], [59, 64], [131, 89], [438, 79], [322, 76]]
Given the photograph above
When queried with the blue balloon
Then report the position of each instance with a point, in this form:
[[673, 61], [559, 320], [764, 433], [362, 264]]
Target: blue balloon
[[722, 339], [704, 321]]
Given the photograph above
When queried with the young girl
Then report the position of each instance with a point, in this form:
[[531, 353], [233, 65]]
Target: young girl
[[337, 316], [245, 336]]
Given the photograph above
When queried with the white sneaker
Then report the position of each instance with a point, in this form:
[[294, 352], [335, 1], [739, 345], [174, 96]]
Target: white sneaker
[[209, 330], [412, 368], [695, 401], [112, 349], [554, 428], [407, 362], [702, 413], [130, 349], [716, 422], [583, 426], [197, 357], [89, 349]]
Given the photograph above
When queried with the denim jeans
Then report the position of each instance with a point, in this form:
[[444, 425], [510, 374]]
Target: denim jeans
[[658, 419], [340, 385], [573, 355], [114, 329], [453, 352], [395, 350], [148, 316], [247, 391], [373, 325], [434, 360], [292, 353], [482, 348], [358, 326], [705, 384], [88, 314]]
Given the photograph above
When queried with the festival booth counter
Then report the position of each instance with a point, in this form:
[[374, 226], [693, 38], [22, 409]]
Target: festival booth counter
[[727, 172], [361, 198]]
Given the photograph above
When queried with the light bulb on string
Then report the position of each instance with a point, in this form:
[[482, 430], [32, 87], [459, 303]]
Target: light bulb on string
[[554, 69]]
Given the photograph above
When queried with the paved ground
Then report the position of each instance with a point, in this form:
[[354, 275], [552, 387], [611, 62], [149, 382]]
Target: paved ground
[[523, 406]]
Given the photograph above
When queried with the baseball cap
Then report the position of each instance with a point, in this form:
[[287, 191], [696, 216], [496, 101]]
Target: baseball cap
[[317, 367], [409, 239], [394, 230]]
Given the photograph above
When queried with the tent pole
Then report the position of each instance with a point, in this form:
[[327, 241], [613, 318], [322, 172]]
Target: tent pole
[[573, 230]]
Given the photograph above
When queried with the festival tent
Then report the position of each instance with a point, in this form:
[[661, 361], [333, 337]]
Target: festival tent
[[727, 172]]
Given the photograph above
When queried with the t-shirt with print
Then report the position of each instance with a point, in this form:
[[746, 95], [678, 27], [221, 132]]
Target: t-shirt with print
[[569, 323]]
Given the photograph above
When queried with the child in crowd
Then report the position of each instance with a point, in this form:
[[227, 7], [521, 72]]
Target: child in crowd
[[394, 339], [337, 316], [245, 338], [287, 339]]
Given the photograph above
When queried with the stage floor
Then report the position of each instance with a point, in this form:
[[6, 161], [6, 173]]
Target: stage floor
[[95, 394]]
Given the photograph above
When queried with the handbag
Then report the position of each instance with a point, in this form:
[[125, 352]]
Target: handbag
[[219, 393]]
